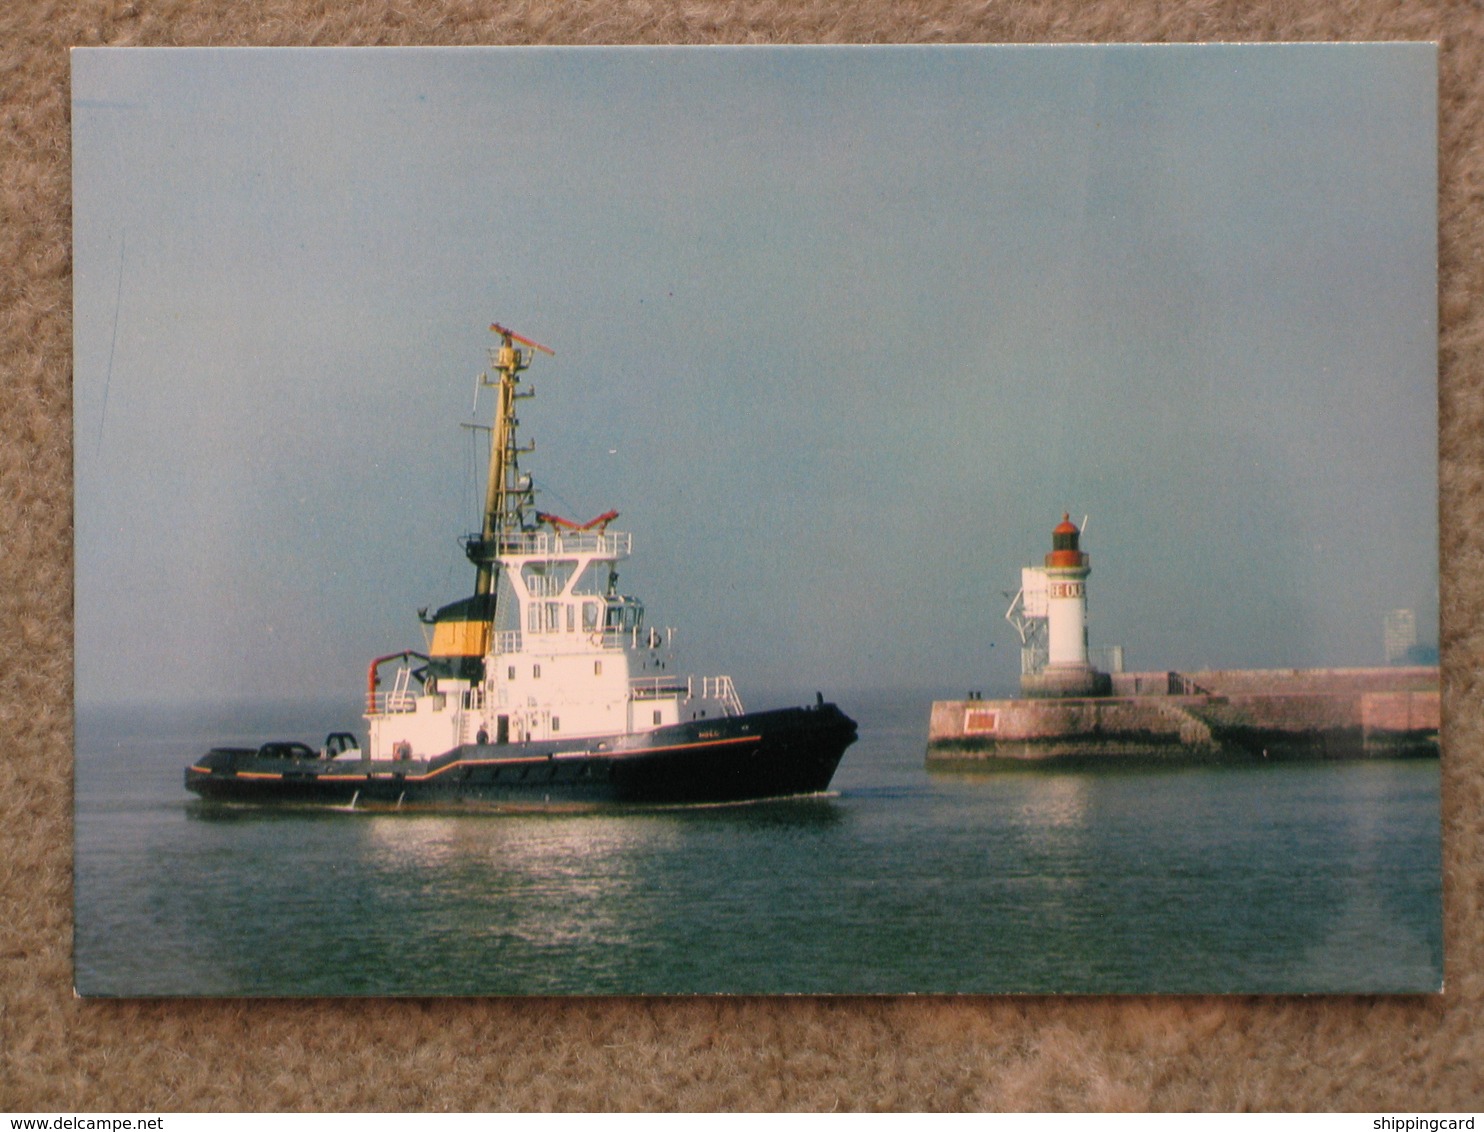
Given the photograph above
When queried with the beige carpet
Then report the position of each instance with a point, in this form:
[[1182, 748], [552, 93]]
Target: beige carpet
[[58, 1054]]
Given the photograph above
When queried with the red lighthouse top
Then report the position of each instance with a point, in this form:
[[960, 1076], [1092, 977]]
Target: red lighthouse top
[[1064, 551]]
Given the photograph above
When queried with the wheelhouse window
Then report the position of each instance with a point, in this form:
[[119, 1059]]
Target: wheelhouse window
[[544, 617], [623, 616]]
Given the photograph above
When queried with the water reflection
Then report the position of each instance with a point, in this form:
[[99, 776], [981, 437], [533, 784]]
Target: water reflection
[[1285, 879], [800, 810], [1060, 803], [1375, 904]]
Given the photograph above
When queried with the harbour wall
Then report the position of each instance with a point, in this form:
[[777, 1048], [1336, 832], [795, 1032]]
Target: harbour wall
[[1336, 713]]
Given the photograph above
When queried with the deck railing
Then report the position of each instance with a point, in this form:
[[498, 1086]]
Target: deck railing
[[718, 689], [615, 544], [511, 640], [721, 689], [393, 703]]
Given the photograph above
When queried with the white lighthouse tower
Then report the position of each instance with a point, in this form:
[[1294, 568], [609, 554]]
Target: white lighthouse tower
[[1066, 598], [1067, 671]]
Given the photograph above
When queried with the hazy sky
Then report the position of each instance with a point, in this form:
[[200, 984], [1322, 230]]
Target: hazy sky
[[841, 333]]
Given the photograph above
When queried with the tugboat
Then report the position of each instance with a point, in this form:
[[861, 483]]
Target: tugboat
[[545, 687]]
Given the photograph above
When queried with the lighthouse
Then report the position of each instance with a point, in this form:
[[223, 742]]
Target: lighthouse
[[1067, 671], [1066, 598]]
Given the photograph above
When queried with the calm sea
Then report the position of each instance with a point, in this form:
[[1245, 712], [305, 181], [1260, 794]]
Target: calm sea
[[1273, 878]]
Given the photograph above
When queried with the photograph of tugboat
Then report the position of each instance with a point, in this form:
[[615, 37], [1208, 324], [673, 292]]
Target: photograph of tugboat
[[545, 521], [545, 685]]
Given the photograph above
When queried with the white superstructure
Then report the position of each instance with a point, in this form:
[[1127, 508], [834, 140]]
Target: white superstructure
[[547, 647]]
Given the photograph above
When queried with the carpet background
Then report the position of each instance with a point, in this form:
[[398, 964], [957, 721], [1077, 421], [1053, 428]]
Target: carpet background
[[59, 1055]]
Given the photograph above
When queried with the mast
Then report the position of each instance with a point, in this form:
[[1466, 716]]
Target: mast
[[505, 493]]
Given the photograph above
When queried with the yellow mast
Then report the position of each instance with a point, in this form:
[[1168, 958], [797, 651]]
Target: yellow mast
[[503, 492]]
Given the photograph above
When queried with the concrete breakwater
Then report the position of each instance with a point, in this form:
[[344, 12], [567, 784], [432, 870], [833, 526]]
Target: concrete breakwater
[[1331, 713]]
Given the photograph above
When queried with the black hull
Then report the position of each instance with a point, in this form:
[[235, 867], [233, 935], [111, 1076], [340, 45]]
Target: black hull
[[738, 758]]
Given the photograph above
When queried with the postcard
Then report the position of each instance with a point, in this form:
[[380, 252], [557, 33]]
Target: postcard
[[824, 520]]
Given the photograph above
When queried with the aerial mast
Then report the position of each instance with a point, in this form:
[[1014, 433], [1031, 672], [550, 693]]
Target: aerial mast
[[504, 494]]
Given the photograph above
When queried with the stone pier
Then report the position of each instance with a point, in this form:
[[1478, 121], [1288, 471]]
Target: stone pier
[[1332, 713]]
